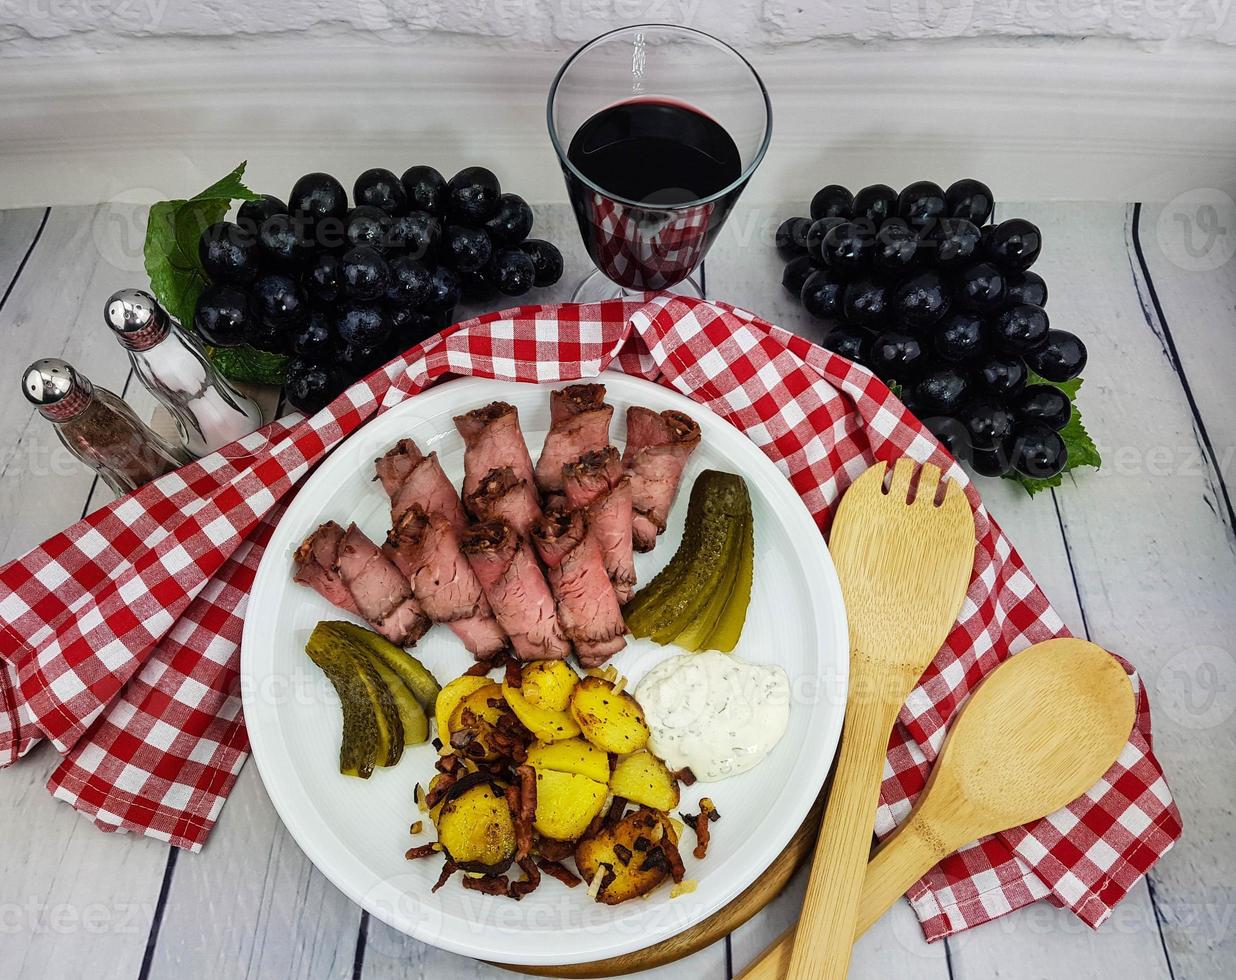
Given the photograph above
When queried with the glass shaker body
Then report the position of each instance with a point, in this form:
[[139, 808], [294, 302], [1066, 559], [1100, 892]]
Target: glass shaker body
[[208, 411], [98, 427]]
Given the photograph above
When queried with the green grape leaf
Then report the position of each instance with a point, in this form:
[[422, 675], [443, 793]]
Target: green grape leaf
[[244, 363], [176, 276], [1081, 447]]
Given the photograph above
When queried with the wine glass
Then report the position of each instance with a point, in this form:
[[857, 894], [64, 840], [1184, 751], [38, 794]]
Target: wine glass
[[658, 129]]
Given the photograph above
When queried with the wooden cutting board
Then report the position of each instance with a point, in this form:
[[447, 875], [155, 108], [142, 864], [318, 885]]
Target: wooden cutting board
[[718, 925]]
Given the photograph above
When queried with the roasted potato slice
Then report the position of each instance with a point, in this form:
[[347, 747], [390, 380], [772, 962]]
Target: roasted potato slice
[[548, 684], [546, 724], [610, 719], [571, 755], [486, 706], [449, 697], [628, 854], [475, 826], [566, 802], [643, 778]]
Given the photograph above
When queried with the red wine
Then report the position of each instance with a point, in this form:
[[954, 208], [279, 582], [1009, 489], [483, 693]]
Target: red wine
[[666, 157], [656, 152]]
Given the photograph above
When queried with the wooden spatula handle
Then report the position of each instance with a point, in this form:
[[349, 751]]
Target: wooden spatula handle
[[826, 927], [899, 863]]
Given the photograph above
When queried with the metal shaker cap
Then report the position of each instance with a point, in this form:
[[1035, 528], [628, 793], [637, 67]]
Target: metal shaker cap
[[56, 388], [136, 318]]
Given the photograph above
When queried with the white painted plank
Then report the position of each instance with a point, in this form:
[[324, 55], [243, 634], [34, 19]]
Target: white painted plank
[[251, 905], [76, 901], [1157, 573], [1190, 251], [17, 230]]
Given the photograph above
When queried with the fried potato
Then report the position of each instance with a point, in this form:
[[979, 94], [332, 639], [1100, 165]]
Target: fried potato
[[611, 720], [627, 854], [643, 778], [571, 755], [545, 723], [449, 697], [548, 684], [475, 826], [484, 707], [566, 802]]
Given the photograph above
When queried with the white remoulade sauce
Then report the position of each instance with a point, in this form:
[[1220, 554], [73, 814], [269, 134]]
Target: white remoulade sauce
[[713, 712]]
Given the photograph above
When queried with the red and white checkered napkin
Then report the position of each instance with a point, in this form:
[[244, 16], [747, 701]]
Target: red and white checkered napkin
[[120, 635], [644, 248]]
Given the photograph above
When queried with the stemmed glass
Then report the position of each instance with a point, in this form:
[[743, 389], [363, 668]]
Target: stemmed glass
[[664, 91]]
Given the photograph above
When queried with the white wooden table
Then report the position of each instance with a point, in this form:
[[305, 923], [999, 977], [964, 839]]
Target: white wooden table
[[1139, 556]]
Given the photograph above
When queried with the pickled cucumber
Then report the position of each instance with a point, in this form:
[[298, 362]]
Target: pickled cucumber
[[414, 675], [372, 729], [700, 630], [729, 627], [411, 714], [691, 592]]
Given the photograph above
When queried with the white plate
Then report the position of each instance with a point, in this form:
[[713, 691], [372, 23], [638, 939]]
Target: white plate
[[356, 831]]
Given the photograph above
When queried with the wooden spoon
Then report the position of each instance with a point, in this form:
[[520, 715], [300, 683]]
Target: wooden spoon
[[904, 562], [1037, 733]]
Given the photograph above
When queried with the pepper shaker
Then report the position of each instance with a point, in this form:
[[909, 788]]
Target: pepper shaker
[[208, 411], [98, 427]]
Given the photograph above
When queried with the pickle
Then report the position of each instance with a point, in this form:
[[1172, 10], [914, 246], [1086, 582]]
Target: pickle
[[414, 675], [411, 715], [700, 630], [704, 564], [372, 730], [729, 627]]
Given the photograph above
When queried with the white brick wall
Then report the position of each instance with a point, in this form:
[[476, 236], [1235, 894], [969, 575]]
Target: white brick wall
[[63, 26]]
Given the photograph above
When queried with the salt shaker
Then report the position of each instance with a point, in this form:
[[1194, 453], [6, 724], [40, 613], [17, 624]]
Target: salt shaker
[[97, 426], [208, 411]]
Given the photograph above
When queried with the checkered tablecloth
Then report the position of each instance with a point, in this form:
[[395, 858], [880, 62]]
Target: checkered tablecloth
[[643, 248], [119, 637]]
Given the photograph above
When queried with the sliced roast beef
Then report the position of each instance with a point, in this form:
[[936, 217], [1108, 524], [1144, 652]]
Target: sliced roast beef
[[578, 423], [381, 592], [425, 548], [595, 481], [516, 590], [492, 439], [349, 571], [502, 496], [587, 605], [410, 477], [658, 446], [316, 566]]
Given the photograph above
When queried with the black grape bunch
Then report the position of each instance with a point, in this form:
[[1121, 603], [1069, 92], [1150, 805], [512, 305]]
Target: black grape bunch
[[921, 288], [341, 288]]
